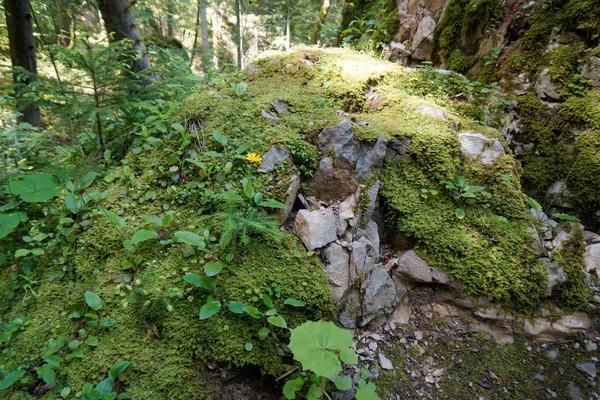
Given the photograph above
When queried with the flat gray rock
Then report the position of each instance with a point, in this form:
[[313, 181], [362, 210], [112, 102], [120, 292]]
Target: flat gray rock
[[277, 155], [478, 146], [316, 228]]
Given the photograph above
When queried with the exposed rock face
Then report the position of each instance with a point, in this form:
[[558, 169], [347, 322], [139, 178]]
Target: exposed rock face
[[592, 258], [337, 265], [432, 112], [476, 145], [276, 155], [556, 275], [591, 71], [316, 228], [332, 182], [544, 88], [413, 268], [422, 44], [290, 197], [379, 294], [560, 195]]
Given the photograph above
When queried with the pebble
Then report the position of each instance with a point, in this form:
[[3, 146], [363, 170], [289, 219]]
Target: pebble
[[385, 362], [429, 379], [591, 346], [373, 346], [419, 335], [574, 392], [376, 336], [576, 346], [438, 372], [540, 377], [553, 354], [588, 368]]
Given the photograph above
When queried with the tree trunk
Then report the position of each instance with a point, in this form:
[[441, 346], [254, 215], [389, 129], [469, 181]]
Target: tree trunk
[[19, 23], [240, 37], [316, 33], [195, 34], [287, 25], [63, 25], [119, 19], [170, 19], [206, 67]]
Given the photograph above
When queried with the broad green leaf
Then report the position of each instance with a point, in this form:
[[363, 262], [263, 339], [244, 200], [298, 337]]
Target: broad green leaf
[[348, 356], [34, 188], [236, 307], [86, 180], [277, 321], [248, 346], [204, 282], [47, 374], [53, 346], [105, 386], [566, 217], [460, 213], [189, 238], [211, 153], [21, 253], [93, 300], [253, 312], [534, 204], [343, 382], [226, 238], [153, 219], [75, 354], [258, 199], [209, 309], [263, 333], [242, 149], [92, 341], [240, 88], [65, 392], [293, 302], [291, 387], [128, 245], [73, 202], [114, 218], [212, 268], [54, 361], [273, 204], [11, 379], [366, 391], [9, 221], [270, 312], [314, 343], [314, 392], [248, 188], [143, 235], [106, 322], [267, 300], [220, 138], [118, 369]]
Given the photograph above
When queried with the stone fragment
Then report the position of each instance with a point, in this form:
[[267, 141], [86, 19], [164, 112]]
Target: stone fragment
[[556, 276], [432, 112], [545, 89], [563, 233], [560, 195], [422, 43], [401, 315], [413, 268], [591, 237], [591, 346], [350, 309], [476, 145], [290, 197], [316, 228], [268, 116], [370, 158], [574, 392], [336, 260], [592, 258], [401, 146], [384, 362], [588, 368], [379, 294], [591, 71], [277, 155], [280, 107], [537, 244], [341, 138]]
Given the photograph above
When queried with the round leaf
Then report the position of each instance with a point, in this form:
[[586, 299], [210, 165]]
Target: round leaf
[[209, 309], [93, 300], [212, 268], [143, 235], [236, 307], [460, 213], [35, 188]]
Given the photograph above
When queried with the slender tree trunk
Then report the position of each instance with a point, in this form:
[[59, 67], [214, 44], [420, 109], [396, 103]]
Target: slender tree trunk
[[19, 23], [195, 34], [216, 37], [240, 37], [288, 22], [316, 33], [119, 19], [206, 65], [63, 15]]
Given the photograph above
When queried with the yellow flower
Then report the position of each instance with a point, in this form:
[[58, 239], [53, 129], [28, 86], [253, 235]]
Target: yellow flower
[[351, 4], [253, 157], [47, 96]]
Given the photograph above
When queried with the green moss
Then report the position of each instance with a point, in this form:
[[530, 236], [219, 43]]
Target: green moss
[[575, 293], [585, 176], [488, 252]]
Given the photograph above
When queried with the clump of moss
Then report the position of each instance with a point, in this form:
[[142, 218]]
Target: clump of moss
[[585, 177]]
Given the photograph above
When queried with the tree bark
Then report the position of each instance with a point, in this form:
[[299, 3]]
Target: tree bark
[[240, 37], [119, 19], [63, 25], [19, 23], [206, 64], [287, 25], [316, 33]]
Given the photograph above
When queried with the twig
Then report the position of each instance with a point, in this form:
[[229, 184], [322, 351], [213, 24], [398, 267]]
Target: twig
[[465, 349], [287, 373]]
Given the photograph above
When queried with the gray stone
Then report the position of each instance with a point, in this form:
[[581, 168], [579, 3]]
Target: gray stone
[[563, 234], [591, 71], [280, 107], [553, 354], [379, 294], [539, 215], [401, 146], [591, 346], [371, 192], [290, 197], [588, 368], [350, 309], [268, 116], [316, 228], [413, 268], [544, 88], [476, 145], [370, 158], [422, 44], [574, 392], [432, 112], [560, 195], [385, 362], [537, 244], [592, 258], [277, 155], [341, 138], [591, 237], [371, 233], [556, 276], [337, 265]]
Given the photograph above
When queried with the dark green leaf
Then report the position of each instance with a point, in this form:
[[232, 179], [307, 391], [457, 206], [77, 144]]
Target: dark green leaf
[[115, 219], [291, 387], [220, 138], [293, 302], [253, 312], [11, 379], [267, 300], [47, 374], [9, 221], [34, 188], [118, 369], [209, 309], [204, 282], [105, 386], [343, 383]]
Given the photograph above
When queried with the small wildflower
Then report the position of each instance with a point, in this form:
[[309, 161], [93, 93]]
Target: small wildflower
[[47, 96], [351, 4], [253, 157]]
